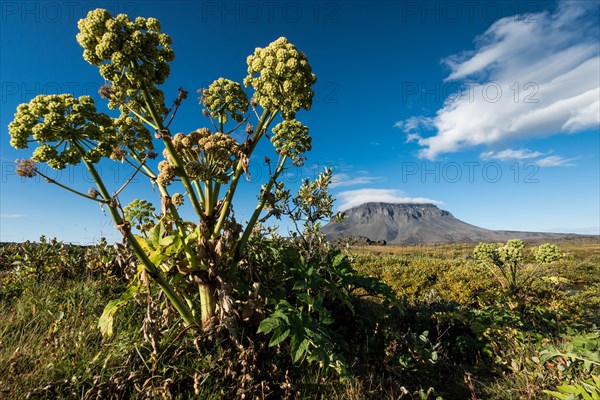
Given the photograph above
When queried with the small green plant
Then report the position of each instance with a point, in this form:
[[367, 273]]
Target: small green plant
[[588, 389], [584, 349], [507, 263], [547, 253], [45, 257], [141, 214]]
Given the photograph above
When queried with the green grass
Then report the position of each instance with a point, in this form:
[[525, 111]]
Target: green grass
[[457, 328]]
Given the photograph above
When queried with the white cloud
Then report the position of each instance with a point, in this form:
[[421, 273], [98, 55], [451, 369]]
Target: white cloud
[[12, 216], [556, 161], [415, 123], [524, 79], [341, 180], [541, 159], [510, 154], [353, 198]]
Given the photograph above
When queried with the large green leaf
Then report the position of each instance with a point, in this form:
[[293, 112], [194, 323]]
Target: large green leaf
[[267, 325], [106, 320], [155, 235], [300, 349], [279, 336]]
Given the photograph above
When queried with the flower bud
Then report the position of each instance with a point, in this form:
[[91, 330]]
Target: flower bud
[[26, 168], [177, 199], [92, 192]]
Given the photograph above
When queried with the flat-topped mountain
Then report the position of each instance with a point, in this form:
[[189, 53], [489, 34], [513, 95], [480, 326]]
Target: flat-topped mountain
[[418, 223]]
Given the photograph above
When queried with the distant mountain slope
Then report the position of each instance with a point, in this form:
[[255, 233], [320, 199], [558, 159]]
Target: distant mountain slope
[[418, 223]]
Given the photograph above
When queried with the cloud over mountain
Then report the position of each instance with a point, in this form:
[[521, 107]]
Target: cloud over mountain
[[531, 76], [353, 198]]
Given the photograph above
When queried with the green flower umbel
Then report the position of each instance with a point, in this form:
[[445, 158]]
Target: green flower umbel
[[224, 96], [281, 77], [66, 128], [130, 54], [291, 138]]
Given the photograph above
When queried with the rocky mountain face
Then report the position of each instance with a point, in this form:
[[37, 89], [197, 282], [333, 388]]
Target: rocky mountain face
[[417, 223]]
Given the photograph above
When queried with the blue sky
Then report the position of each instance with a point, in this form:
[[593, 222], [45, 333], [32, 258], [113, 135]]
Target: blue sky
[[489, 109]]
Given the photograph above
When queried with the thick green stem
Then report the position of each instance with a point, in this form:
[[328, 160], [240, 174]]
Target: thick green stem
[[207, 304], [172, 152], [191, 257], [152, 270], [239, 169], [208, 197], [198, 190], [216, 190], [261, 204]]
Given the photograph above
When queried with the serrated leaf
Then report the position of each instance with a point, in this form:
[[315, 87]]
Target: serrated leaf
[[338, 260], [155, 234], [267, 325], [557, 395], [568, 389], [586, 395], [306, 299], [106, 320], [157, 257], [282, 316], [300, 350], [166, 241], [300, 285], [279, 337]]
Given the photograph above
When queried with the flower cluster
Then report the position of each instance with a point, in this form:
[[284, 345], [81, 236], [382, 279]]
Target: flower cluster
[[547, 253], [291, 138], [206, 156], [281, 77], [130, 54], [26, 168], [67, 129], [219, 156], [167, 172], [177, 199], [512, 251], [133, 134], [224, 96]]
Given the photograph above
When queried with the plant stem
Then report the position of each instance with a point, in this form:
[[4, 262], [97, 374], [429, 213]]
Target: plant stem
[[261, 204], [52, 181], [191, 257], [198, 190], [171, 149], [207, 304], [152, 270], [239, 169]]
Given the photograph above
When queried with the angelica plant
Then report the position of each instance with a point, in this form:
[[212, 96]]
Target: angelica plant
[[506, 263], [193, 262], [547, 253]]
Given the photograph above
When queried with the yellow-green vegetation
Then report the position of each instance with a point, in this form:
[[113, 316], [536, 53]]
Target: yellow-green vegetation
[[510, 338], [452, 332]]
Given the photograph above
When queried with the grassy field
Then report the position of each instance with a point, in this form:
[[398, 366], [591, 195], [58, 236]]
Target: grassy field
[[456, 333]]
